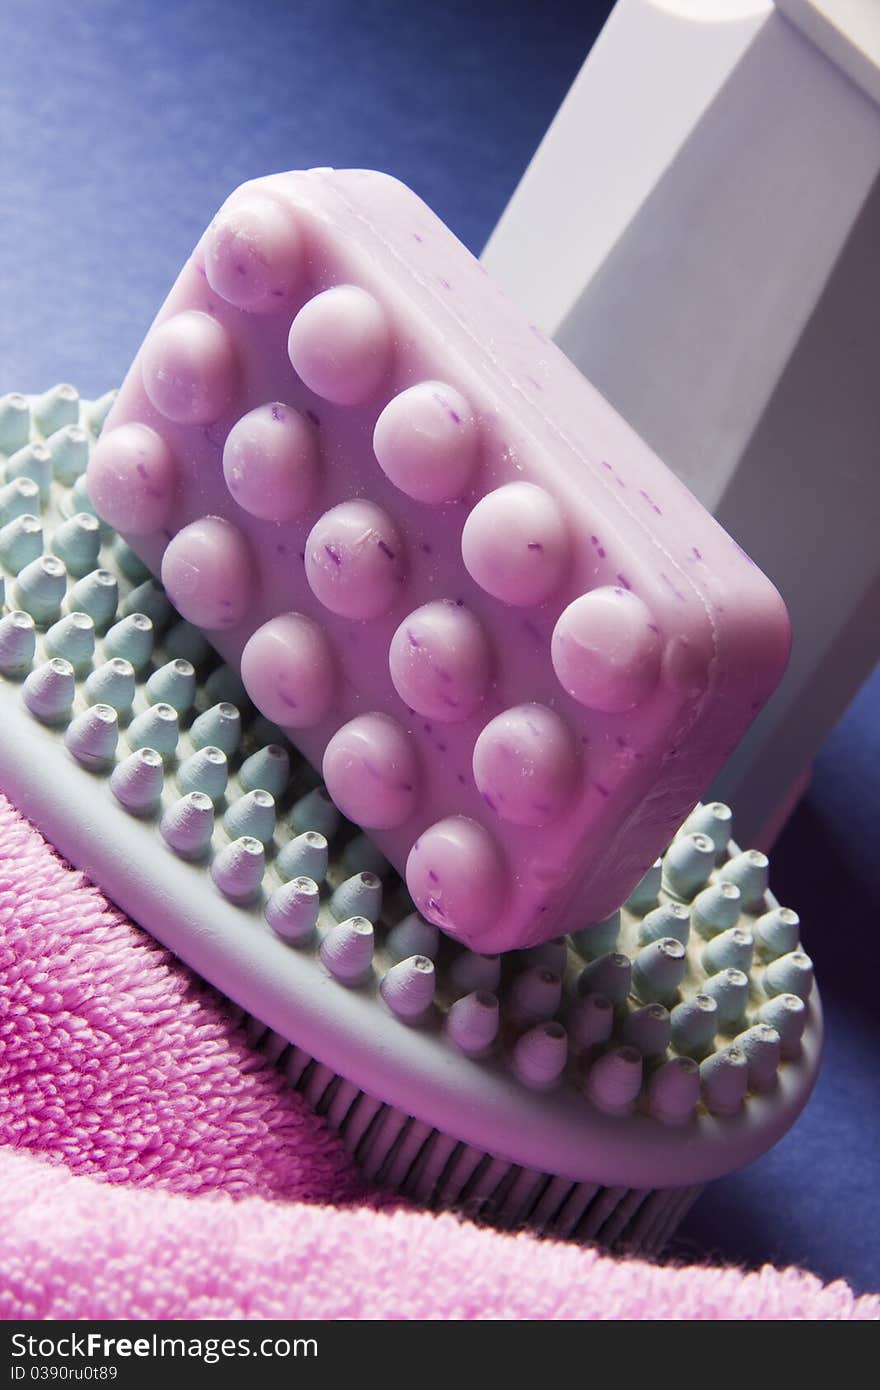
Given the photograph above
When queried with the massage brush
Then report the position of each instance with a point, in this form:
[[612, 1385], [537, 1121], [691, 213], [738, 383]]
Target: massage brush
[[515, 660]]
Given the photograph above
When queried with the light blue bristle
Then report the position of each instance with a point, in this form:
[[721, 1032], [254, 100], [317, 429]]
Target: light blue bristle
[[713, 819], [251, 815], [97, 411], [687, 865], [18, 643], [113, 684], [188, 643], [648, 1029], [188, 825], [15, 422], [224, 686], [716, 909], [535, 994], [131, 564], [724, 1077], [749, 871], [268, 768], [77, 542], [306, 856], [173, 684], [790, 974], [669, 919], [777, 932], [472, 1022], [49, 691], [644, 895], [96, 594], [69, 448], [694, 1024], [132, 639], [658, 970], [610, 975], [137, 782], [218, 727], [787, 1013], [413, 936], [40, 587], [21, 541], [73, 637], [361, 856], [56, 407], [35, 462], [149, 598], [358, 896], [471, 971], [730, 990], [91, 736], [347, 951], [599, 938], [762, 1047], [78, 500], [237, 869], [674, 1091], [538, 1057], [408, 988], [155, 727], [315, 811], [292, 910], [206, 770], [21, 497], [730, 950]]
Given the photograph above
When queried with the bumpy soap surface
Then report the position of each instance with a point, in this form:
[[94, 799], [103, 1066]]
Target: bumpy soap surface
[[513, 642]]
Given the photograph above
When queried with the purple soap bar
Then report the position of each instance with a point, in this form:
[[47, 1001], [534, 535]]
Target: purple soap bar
[[515, 645]]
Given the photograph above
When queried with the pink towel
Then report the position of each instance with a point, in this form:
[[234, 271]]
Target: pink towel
[[141, 1135]]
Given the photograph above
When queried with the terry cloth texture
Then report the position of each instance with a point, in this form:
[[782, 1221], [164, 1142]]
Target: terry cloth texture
[[154, 1165]]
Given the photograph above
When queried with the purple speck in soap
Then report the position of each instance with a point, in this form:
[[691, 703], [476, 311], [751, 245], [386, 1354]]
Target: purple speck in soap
[[489, 802], [418, 237], [412, 639], [462, 779], [533, 630], [310, 415], [696, 553], [601, 789], [333, 554], [623, 581], [535, 545], [432, 876], [386, 549], [441, 279], [278, 412]]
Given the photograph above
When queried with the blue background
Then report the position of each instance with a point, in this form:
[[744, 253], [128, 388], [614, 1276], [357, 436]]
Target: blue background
[[124, 125]]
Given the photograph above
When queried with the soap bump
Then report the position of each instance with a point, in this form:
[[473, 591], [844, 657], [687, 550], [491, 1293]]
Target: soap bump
[[271, 463], [208, 572], [606, 651], [525, 765], [441, 662], [515, 544], [426, 443], [355, 561], [372, 772], [190, 368], [340, 345], [289, 671]]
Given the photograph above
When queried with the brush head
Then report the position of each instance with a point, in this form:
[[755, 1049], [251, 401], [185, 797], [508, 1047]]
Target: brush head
[[589, 1085]]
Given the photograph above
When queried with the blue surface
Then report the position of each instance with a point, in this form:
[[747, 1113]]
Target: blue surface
[[124, 125]]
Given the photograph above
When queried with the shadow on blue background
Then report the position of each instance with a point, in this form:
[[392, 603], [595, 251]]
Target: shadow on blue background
[[124, 126]]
